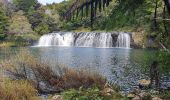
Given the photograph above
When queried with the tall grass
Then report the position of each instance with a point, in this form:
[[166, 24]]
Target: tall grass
[[17, 90], [25, 66]]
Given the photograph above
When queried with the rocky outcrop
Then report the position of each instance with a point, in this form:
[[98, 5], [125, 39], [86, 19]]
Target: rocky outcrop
[[137, 40]]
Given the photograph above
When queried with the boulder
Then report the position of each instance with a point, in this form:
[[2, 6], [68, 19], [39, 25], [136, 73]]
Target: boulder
[[57, 97], [131, 95], [144, 83]]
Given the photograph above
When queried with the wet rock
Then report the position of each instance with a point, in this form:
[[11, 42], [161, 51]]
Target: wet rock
[[144, 84], [57, 97]]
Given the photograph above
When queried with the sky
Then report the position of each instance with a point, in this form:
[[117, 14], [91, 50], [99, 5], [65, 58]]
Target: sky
[[49, 1]]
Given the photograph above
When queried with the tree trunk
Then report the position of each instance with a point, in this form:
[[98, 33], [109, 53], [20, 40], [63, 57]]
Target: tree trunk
[[167, 3], [164, 21], [155, 15], [92, 14]]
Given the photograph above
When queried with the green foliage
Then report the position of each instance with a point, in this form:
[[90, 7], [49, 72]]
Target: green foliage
[[41, 22], [162, 57], [165, 95], [35, 18], [25, 5], [82, 94], [19, 24], [52, 23], [128, 13], [71, 25], [3, 24], [93, 93], [42, 28], [164, 61]]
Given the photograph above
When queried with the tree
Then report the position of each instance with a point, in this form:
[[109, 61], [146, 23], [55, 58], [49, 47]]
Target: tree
[[19, 24], [3, 24], [167, 3], [35, 18], [39, 20], [25, 5], [42, 28], [51, 22]]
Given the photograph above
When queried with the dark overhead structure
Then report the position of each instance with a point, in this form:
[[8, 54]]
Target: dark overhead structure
[[86, 7]]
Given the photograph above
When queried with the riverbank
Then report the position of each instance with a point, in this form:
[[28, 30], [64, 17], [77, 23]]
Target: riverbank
[[43, 79], [19, 40], [64, 82], [15, 89]]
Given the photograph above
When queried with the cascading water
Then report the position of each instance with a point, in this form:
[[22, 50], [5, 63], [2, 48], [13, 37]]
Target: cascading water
[[59, 39], [123, 40], [85, 39]]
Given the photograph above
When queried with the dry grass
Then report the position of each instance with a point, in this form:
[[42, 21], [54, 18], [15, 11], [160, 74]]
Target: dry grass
[[83, 78], [17, 90], [25, 66]]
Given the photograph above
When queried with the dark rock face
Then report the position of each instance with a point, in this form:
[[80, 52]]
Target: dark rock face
[[114, 37]]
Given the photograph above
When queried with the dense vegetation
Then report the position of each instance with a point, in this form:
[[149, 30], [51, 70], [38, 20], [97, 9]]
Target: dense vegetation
[[25, 21]]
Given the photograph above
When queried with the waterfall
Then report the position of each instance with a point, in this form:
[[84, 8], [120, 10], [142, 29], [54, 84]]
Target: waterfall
[[85, 39], [92, 39], [123, 40], [58, 39]]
